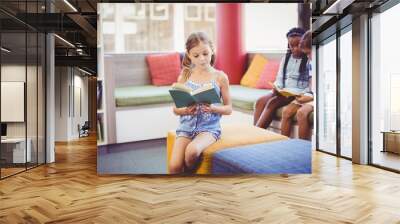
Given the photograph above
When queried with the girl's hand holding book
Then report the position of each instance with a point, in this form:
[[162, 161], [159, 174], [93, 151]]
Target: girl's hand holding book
[[275, 89], [191, 110], [207, 108]]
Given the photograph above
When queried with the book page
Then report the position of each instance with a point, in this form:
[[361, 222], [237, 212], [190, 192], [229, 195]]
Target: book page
[[182, 87], [203, 88], [287, 93], [284, 92]]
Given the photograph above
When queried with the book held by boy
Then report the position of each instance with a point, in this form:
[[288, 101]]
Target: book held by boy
[[184, 96]]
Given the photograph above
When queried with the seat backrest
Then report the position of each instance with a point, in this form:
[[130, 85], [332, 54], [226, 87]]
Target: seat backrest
[[130, 69], [272, 55]]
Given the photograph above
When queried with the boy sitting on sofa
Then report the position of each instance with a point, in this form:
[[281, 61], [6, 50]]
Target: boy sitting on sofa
[[294, 75]]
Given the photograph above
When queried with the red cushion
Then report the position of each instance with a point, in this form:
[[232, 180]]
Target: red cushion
[[268, 74], [164, 68]]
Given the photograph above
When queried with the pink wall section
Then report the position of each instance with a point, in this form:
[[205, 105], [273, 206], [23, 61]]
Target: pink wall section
[[231, 55]]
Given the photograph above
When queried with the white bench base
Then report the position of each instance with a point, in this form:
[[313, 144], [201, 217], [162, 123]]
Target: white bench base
[[154, 121], [144, 122]]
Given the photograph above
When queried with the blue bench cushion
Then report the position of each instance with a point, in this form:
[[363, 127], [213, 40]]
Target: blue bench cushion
[[291, 156]]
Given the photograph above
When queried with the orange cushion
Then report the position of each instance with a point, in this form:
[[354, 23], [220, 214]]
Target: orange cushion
[[232, 135], [164, 68], [254, 71], [268, 75]]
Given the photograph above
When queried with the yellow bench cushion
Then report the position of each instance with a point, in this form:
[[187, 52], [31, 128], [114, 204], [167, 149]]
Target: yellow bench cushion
[[232, 135]]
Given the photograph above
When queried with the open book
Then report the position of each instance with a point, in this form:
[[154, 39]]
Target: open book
[[184, 96], [285, 92]]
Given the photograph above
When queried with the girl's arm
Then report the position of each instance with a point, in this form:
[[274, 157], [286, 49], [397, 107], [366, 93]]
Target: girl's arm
[[225, 109], [183, 110], [279, 77]]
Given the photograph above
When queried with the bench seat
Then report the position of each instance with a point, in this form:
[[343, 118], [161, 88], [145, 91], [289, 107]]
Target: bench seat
[[142, 95], [232, 135], [243, 98]]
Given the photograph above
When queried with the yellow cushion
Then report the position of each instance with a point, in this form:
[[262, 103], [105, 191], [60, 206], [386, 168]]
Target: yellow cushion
[[253, 73], [232, 135]]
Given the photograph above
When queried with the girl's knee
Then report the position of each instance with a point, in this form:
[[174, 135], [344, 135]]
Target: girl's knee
[[259, 101], [270, 108], [175, 167], [287, 113], [191, 153]]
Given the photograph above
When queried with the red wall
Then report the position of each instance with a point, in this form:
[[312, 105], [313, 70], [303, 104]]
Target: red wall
[[230, 56]]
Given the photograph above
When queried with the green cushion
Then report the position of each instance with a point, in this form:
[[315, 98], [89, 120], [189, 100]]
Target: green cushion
[[142, 95], [245, 97], [242, 97]]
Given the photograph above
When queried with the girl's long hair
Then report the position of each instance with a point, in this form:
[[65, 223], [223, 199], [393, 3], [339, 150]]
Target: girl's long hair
[[303, 70], [193, 40]]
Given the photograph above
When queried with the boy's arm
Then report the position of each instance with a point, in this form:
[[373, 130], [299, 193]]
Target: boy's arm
[[307, 94], [308, 91]]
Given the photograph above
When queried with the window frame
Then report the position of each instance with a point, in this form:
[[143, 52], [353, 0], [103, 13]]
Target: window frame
[[334, 36]]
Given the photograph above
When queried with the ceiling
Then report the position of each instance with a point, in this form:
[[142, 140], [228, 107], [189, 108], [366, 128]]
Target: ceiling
[[74, 21], [330, 15]]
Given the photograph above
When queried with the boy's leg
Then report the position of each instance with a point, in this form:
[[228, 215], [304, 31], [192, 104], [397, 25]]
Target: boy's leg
[[302, 120], [287, 114], [178, 155], [260, 105], [268, 113], [196, 147]]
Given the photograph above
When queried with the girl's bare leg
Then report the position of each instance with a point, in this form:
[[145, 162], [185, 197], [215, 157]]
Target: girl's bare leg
[[196, 147], [286, 123], [302, 120], [178, 155]]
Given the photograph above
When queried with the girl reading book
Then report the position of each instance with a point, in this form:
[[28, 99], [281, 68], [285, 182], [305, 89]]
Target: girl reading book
[[293, 75], [199, 124], [301, 102]]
